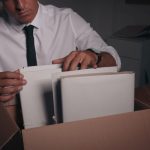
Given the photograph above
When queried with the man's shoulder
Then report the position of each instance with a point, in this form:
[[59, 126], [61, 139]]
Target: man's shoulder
[[54, 10]]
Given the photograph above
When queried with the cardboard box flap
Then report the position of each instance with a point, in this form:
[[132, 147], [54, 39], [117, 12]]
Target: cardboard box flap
[[129, 131], [142, 95], [8, 127]]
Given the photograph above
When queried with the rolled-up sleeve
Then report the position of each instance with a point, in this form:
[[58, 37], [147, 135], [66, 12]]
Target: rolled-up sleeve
[[87, 38]]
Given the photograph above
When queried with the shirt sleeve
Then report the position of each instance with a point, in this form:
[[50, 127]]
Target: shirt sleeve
[[87, 38]]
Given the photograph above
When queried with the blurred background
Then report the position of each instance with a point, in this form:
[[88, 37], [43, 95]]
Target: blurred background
[[108, 16]]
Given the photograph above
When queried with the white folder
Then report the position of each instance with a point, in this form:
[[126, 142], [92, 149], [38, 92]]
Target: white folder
[[39, 98], [36, 96], [95, 95], [56, 85], [44, 99]]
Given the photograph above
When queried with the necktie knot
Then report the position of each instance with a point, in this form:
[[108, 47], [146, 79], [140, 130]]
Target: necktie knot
[[29, 29]]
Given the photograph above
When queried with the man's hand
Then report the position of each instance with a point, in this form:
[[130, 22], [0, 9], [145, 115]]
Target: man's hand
[[84, 59], [106, 60], [10, 84]]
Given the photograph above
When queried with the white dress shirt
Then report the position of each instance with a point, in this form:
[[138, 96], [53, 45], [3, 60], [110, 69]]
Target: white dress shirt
[[57, 32]]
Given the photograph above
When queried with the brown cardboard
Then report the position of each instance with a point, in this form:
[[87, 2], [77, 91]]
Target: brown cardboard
[[11, 109], [142, 97], [8, 127], [130, 131]]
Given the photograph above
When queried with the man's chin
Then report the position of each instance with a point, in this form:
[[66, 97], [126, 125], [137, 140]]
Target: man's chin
[[24, 20]]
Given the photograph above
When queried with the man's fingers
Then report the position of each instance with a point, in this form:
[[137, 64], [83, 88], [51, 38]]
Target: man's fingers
[[10, 90], [68, 60], [11, 75], [18, 71], [87, 60], [6, 98], [93, 64], [11, 82], [84, 64], [71, 62], [84, 58], [75, 63], [58, 61]]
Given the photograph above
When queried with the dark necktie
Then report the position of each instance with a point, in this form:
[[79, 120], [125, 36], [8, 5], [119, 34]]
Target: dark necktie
[[31, 54]]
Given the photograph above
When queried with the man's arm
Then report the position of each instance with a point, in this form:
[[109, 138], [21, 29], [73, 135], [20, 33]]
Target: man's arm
[[86, 38], [85, 59]]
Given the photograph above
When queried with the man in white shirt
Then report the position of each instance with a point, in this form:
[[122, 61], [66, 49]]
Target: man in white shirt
[[60, 35]]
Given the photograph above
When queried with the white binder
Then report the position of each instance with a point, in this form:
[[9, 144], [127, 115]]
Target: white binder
[[36, 96], [96, 95], [56, 77], [44, 99]]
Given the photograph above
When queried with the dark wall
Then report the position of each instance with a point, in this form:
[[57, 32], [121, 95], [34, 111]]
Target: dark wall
[[97, 12]]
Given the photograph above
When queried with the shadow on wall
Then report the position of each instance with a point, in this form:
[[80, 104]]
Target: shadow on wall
[[0, 5]]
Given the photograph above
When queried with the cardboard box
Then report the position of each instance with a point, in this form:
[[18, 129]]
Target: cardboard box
[[142, 97], [128, 131]]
